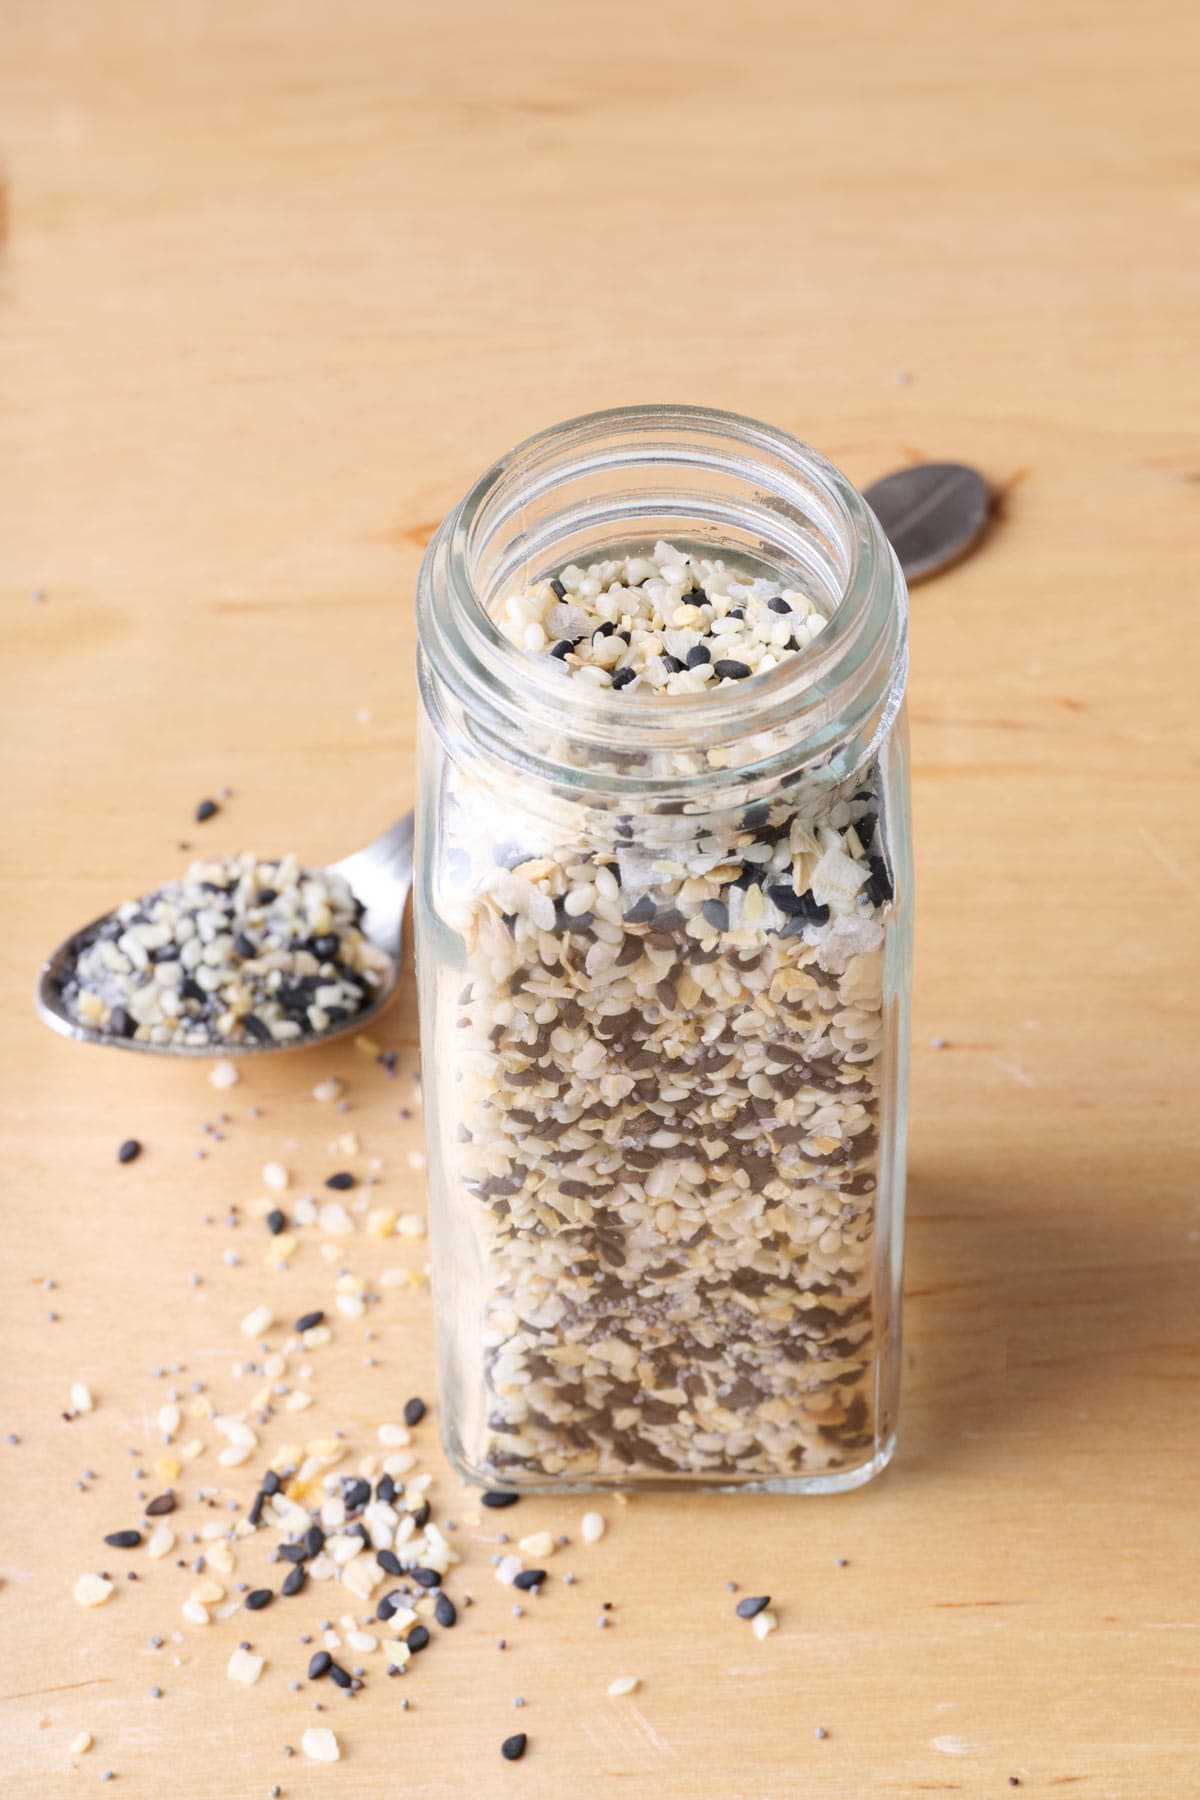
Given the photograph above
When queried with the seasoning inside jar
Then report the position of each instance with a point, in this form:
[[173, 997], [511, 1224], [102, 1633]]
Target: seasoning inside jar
[[669, 1050]]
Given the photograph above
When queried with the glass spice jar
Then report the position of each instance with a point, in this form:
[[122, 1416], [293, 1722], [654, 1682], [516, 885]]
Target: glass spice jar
[[663, 921]]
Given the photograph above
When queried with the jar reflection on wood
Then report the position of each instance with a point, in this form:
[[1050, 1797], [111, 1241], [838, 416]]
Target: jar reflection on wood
[[663, 940]]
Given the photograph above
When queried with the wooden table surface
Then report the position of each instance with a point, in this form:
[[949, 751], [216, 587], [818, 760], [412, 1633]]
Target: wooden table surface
[[279, 278]]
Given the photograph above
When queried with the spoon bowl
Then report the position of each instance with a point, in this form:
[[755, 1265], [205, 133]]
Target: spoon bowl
[[380, 877]]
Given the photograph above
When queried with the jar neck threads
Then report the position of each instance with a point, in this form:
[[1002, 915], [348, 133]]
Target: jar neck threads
[[716, 484]]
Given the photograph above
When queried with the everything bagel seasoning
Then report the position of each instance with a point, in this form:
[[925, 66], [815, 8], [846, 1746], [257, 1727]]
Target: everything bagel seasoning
[[668, 1044]]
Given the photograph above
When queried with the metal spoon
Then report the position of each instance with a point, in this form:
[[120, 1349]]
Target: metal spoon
[[933, 513], [379, 876]]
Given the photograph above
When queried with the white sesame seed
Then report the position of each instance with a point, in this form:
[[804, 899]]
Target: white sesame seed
[[93, 1590], [320, 1744], [244, 1666]]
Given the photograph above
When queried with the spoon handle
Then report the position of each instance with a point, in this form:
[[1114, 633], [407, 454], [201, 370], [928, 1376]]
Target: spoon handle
[[381, 876]]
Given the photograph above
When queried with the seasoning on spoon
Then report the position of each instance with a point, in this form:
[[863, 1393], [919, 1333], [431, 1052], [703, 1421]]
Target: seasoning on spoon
[[239, 951]]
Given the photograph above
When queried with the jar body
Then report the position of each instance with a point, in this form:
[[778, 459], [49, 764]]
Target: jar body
[[664, 1037]]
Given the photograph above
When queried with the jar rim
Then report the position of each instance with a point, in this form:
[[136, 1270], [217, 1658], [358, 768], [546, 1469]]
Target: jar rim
[[805, 691]]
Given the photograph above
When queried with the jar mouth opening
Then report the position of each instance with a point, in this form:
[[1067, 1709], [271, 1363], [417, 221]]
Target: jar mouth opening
[[613, 483], [687, 437]]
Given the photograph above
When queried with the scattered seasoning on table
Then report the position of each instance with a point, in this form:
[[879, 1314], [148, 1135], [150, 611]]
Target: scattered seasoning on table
[[513, 1748], [124, 1540], [820, 1732], [207, 809], [129, 1152], [752, 1605], [414, 1411], [341, 1181], [495, 1497], [258, 1598], [161, 1504]]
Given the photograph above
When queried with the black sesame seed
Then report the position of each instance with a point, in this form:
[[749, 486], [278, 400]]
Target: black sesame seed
[[445, 1612], [124, 1540], [129, 1152], [672, 665], [697, 597], [271, 1482], [414, 1411], [258, 1598], [717, 914], [266, 895], [752, 1605], [418, 1637], [356, 1494], [320, 1664], [256, 1508], [496, 1497], [291, 1553], [385, 1489], [699, 653], [558, 588], [245, 946], [513, 1748], [339, 1676], [736, 612], [779, 604], [309, 1321], [879, 889], [341, 1181], [205, 810], [563, 648], [276, 1221], [864, 829], [529, 1578], [798, 906], [421, 1515], [640, 913], [389, 1562], [427, 1578], [162, 1503], [120, 1024], [293, 1581], [729, 670], [603, 631], [623, 677], [256, 1028], [387, 1606], [313, 1541]]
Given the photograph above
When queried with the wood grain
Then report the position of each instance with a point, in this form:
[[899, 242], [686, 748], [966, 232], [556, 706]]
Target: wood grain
[[277, 280]]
